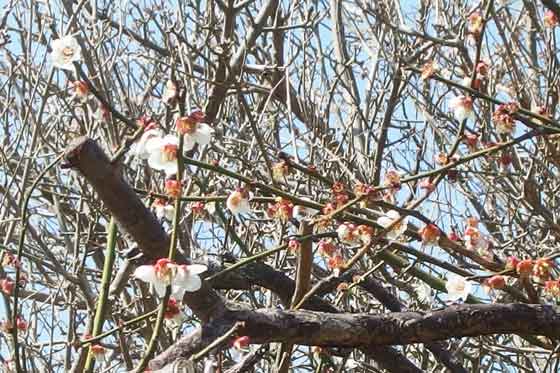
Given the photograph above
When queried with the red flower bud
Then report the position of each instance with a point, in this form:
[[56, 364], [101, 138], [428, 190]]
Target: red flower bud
[[453, 236], [524, 267], [21, 324], [242, 342], [173, 188], [496, 282], [7, 286]]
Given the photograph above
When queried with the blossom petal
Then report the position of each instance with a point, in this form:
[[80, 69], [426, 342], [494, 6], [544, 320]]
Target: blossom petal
[[171, 168], [160, 212], [402, 226], [393, 214], [154, 143], [384, 221], [244, 207], [424, 292], [146, 273], [177, 292], [203, 134], [458, 288], [197, 268], [171, 139], [237, 207], [156, 161], [149, 140], [185, 281], [211, 208], [160, 287], [192, 283], [169, 212], [188, 142]]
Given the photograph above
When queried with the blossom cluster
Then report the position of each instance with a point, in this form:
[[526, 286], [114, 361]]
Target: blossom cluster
[[352, 234], [462, 107], [6, 326], [538, 270], [282, 209], [66, 52], [162, 150], [476, 241], [394, 223], [332, 255], [503, 118], [238, 202]]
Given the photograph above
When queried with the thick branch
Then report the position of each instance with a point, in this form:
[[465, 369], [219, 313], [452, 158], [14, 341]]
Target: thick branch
[[368, 331], [344, 330], [87, 157]]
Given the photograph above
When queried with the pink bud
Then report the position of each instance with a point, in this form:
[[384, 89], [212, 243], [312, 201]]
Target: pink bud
[[242, 342]]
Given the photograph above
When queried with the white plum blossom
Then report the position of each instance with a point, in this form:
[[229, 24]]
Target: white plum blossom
[[462, 107], [194, 130], [163, 154], [163, 209], [424, 293], [201, 136], [346, 233], [238, 202], [141, 147], [480, 245], [477, 242], [165, 273], [397, 229], [210, 208], [458, 288], [99, 353], [80, 90], [188, 279], [65, 51]]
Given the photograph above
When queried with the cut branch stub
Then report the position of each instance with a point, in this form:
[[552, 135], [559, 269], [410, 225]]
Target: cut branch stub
[[84, 155]]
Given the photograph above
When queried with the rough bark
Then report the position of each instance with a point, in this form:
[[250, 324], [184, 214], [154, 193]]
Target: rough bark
[[368, 331], [398, 328]]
